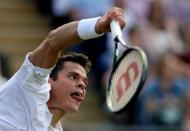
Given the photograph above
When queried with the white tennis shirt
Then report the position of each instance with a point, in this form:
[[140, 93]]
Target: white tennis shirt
[[23, 100]]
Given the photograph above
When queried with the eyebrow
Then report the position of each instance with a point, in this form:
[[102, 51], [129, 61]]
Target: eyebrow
[[77, 74]]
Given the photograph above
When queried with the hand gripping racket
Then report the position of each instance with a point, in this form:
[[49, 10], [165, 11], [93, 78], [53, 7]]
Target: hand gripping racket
[[128, 73]]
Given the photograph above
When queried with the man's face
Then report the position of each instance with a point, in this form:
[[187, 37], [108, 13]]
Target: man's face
[[69, 90]]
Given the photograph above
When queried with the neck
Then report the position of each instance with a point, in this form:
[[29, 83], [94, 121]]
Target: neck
[[57, 115]]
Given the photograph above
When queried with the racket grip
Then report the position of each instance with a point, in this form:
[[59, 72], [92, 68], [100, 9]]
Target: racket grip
[[115, 29]]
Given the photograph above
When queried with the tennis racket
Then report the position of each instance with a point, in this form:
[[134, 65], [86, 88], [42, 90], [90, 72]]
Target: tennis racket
[[128, 73]]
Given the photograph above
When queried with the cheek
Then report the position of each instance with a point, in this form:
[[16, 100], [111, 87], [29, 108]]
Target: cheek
[[61, 84], [61, 89], [85, 93]]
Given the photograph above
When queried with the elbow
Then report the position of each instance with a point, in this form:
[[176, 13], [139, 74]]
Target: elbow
[[51, 43], [47, 54]]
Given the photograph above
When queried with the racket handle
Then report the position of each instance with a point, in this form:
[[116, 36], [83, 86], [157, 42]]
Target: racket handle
[[115, 29]]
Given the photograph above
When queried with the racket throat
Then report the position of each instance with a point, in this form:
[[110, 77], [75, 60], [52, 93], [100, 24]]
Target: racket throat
[[116, 53]]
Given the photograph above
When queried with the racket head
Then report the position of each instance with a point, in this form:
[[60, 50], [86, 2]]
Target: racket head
[[127, 78]]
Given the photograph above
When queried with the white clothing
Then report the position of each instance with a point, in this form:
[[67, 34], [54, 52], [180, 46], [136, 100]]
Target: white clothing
[[23, 100], [58, 127], [2, 80]]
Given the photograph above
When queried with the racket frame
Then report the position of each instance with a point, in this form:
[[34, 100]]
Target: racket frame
[[142, 80]]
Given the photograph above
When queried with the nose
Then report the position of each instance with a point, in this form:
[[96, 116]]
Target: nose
[[81, 84]]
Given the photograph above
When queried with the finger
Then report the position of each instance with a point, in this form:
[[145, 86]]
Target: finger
[[122, 21], [118, 15]]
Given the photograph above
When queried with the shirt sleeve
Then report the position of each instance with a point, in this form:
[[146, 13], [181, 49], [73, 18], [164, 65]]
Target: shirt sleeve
[[34, 79]]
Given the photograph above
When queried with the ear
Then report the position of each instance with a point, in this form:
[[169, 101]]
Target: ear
[[51, 82]]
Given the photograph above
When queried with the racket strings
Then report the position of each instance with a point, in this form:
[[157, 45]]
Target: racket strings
[[123, 87]]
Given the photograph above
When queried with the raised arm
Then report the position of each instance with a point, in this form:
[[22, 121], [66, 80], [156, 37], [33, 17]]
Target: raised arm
[[47, 54]]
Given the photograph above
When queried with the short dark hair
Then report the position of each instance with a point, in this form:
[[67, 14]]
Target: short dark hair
[[73, 57]]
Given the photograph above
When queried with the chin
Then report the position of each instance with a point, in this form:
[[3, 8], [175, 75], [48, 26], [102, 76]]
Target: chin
[[72, 109]]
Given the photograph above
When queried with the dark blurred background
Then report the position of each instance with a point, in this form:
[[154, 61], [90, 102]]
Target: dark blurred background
[[160, 27]]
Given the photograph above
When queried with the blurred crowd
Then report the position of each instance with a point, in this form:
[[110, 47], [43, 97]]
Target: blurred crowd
[[162, 29]]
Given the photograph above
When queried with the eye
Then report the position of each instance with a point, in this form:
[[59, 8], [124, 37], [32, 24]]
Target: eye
[[72, 77]]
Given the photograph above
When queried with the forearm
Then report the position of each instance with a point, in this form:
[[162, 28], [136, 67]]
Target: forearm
[[47, 54], [65, 36]]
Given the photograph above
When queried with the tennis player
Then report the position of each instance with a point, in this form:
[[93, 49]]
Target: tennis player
[[33, 101]]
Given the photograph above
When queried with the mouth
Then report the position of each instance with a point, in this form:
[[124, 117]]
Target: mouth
[[77, 96]]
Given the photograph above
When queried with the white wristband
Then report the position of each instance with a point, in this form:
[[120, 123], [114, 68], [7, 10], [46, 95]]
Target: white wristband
[[86, 28]]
